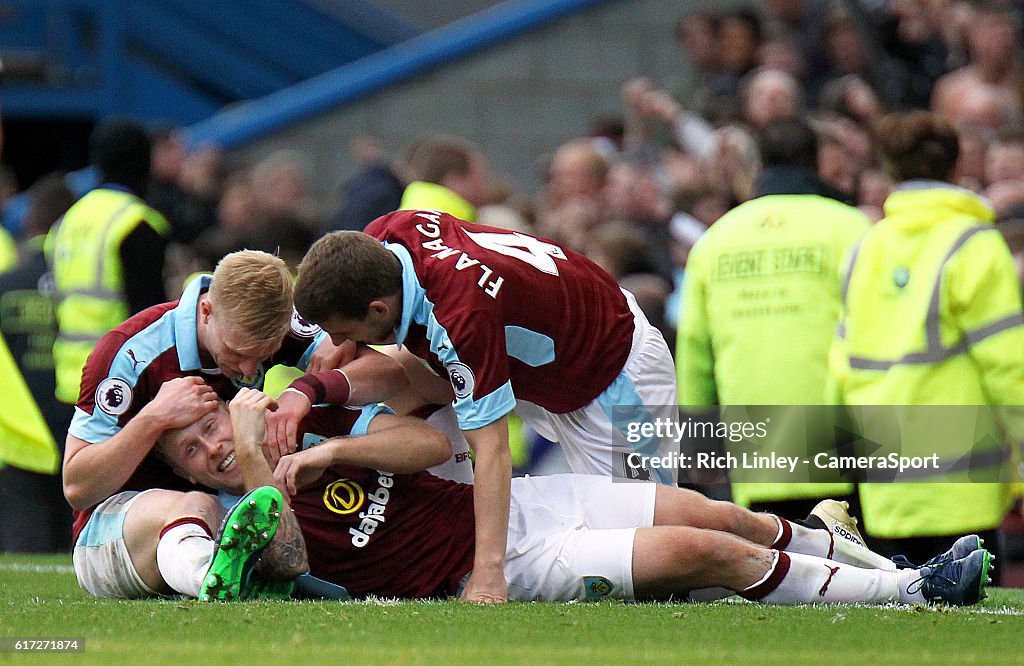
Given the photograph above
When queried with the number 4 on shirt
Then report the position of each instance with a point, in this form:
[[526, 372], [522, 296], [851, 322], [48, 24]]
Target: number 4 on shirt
[[519, 246]]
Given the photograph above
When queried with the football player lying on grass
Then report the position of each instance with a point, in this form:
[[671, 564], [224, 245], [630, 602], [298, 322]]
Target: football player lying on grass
[[374, 523]]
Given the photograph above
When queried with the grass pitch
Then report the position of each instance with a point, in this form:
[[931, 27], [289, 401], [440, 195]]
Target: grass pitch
[[39, 598]]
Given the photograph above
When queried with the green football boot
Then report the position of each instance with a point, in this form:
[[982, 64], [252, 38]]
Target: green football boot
[[960, 549], [957, 582], [247, 529]]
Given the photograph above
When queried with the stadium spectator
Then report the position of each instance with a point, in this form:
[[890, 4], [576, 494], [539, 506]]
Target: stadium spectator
[[844, 153], [993, 47], [629, 258], [873, 186], [1006, 197], [572, 538], [279, 183], [740, 36], [801, 22], [936, 265], [374, 191], [921, 38], [446, 173], [1004, 159], [850, 97], [696, 33], [770, 94], [184, 186], [261, 209], [570, 203], [728, 155], [236, 216], [781, 52], [634, 194]]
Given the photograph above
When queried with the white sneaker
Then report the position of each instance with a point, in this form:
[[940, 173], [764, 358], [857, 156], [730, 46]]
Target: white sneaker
[[838, 521]]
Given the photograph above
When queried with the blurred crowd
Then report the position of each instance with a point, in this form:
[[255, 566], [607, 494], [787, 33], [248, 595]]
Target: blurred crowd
[[636, 191]]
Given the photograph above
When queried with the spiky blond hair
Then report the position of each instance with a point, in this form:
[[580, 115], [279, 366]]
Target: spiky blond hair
[[252, 291]]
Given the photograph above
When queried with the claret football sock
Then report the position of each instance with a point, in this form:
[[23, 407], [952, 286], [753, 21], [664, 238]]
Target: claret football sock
[[794, 538], [183, 555], [796, 578]]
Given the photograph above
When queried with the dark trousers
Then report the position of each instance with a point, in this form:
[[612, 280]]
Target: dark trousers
[[35, 516]]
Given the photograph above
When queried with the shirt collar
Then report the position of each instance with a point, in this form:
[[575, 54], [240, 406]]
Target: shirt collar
[[186, 337], [410, 291]]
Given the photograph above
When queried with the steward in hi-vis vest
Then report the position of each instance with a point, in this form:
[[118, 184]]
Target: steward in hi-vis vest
[[933, 317], [449, 175], [107, 252], [760, 308]]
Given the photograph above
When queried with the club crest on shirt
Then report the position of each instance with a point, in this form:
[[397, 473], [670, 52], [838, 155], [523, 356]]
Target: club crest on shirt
[[344, 497], [302, 327], [255, 381], [113, 396], [463, 381]]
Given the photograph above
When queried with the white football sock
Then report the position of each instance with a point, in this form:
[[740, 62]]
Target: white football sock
[[795, 578], [909, 580], [794, 538], [183, 555]]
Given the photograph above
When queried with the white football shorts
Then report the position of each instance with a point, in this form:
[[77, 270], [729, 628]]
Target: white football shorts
[[595, 438], [570, 536], [102, 563], [460, 466]]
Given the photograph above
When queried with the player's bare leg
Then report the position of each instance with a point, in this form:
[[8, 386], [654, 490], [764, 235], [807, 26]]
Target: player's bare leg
[[178, 525], [678, 506], [670, 561]]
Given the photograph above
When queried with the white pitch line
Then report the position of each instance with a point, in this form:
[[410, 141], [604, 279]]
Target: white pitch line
[[37, 568]]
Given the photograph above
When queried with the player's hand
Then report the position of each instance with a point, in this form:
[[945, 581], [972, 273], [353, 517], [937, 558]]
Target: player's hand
[[248, 419], [486, 587], [181, 401], [295, 471], [329, 356], [283, 424]]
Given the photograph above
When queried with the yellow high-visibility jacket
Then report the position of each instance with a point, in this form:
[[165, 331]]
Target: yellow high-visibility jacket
[[421, 195], [84, 250], [760, 307], [933, 316]]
